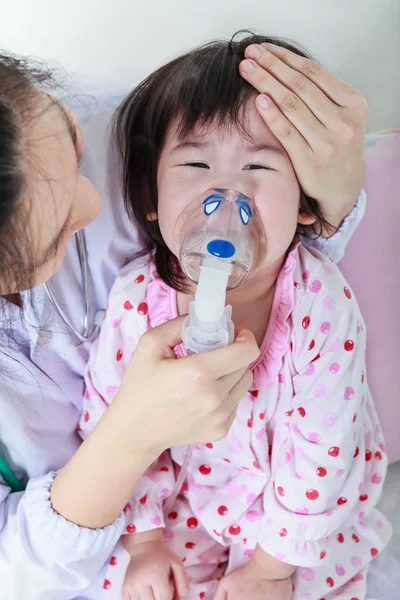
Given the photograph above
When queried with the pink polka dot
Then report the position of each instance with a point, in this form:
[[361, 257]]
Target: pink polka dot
[[250, 498], [116, 322], [164, 493], [307, 574], [111, 388], [287, 457], [281, 378], [339, 473], [376, 478], [314, 437], [329, 303], [340, 570], [252, 516], [248, 553], [316, 286], [349, 393], [168, 534], [155, 520], [310, 369], [320, 390], [306, 275], [330, 419], [325, 327], [356, 561]]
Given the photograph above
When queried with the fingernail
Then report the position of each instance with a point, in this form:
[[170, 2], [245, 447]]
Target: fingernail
[[253, 51], [248, 66], [263, 102]]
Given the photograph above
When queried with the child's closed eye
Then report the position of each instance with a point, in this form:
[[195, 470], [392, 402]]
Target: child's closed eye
[[199, 165], [254, 166]]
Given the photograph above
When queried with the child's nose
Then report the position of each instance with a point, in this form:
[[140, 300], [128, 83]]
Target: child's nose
[[239, 183]]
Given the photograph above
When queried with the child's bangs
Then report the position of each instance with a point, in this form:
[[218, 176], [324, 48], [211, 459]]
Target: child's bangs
[[209, 91]]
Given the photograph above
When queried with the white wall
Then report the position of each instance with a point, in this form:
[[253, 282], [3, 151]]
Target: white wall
[[114, 43]]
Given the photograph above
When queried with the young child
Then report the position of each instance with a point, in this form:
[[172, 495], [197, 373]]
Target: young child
[[283, 506]]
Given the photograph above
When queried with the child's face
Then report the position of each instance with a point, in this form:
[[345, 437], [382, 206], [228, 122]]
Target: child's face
[[256, 165]]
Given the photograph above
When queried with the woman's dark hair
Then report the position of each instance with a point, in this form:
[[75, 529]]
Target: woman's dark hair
[[20, 80], [201, 87]]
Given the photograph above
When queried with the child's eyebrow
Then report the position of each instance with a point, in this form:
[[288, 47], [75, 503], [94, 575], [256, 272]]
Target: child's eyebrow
[[265, 147], [187, 144], [250, 146]]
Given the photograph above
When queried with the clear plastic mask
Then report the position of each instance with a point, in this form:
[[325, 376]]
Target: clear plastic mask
[[222, 224]]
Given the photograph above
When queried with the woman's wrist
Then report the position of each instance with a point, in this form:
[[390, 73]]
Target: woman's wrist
[[336, 219], [81, 491]]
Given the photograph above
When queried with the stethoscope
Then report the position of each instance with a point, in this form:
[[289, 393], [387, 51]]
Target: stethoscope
[[88, 333]]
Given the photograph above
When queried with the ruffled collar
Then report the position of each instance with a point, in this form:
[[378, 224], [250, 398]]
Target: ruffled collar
[[163, 306]]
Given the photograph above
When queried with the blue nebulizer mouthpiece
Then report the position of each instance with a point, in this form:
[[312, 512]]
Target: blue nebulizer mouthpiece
[[219, 236]]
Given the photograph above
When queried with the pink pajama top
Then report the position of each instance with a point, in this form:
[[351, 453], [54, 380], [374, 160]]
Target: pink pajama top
[[302, 467]]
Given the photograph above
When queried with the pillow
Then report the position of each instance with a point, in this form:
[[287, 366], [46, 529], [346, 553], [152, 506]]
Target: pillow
[[372, 266]]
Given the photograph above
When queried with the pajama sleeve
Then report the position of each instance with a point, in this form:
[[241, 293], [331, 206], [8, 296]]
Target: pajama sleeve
[[125, 322], [335, 246], [317, 471]]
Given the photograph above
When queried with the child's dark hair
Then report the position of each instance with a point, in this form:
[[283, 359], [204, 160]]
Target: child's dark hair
[[201, 87]]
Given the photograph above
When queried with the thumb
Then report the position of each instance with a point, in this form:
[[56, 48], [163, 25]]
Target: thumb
[[159, 343]]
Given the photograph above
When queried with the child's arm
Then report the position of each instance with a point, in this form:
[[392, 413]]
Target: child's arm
[[318, 473]]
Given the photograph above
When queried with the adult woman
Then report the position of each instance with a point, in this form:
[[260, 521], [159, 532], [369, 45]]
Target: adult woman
[[57, 532]]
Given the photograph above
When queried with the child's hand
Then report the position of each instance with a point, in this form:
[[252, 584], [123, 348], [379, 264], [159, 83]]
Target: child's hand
[[250, 582], [155, 572], [319, 120]]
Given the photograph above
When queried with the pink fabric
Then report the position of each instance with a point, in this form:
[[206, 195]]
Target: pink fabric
[[372, 266], [302, 467]]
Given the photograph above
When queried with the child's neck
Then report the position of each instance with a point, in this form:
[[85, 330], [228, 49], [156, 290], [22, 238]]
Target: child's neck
[[251, 303]]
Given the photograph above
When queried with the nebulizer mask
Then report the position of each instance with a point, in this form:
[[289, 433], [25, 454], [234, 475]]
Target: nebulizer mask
[[220, 238]]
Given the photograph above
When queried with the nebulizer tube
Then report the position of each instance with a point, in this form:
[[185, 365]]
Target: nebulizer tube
[[220, 239]]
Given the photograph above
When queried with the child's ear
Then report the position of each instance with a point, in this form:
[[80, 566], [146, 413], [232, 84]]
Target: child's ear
[[152, 216], [305, 218]]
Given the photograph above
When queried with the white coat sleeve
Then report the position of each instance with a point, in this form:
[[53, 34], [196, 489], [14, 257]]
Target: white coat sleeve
[[42, 555], [335, 246]]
